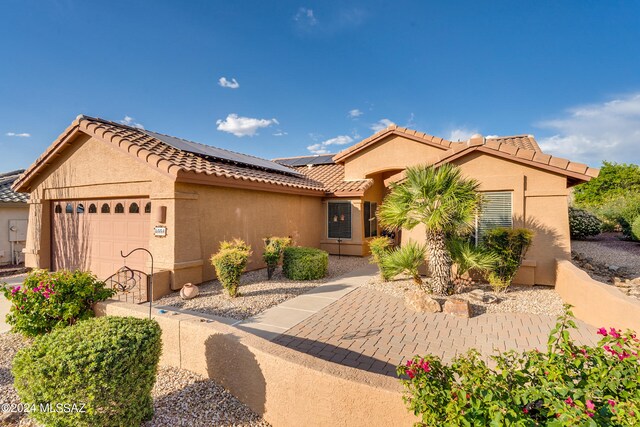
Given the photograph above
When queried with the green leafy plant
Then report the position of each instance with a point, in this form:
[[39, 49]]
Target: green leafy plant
[[614, 180], [628, 214], [635, 228], [566, 385], [46, 301], [273, 248], [405, 259], [104, 366], [467, 257], [444, 202], [509, 245], [299, 263], [583, 223], [229, 262], [380, 247]]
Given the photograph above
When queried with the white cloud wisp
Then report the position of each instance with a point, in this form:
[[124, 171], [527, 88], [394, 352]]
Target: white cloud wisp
[[243, 126], [231, 84], [324, 146]]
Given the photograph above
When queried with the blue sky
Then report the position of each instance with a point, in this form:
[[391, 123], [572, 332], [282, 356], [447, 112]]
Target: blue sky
[[306, 76]]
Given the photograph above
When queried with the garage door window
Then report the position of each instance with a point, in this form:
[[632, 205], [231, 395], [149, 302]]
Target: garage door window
[[134, 208], [147, 207], [119, 208], [105, 208], [69, 208], [93, 208], [80, 208], [58, 209]]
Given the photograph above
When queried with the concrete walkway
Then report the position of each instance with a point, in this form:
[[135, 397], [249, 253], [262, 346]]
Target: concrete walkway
[[4, 304], [272, 322]]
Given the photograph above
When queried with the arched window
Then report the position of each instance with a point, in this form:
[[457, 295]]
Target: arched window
[[119, 208], [147, 207], [93, 208], [134, 208], [105, 208], [57, 209], [80, 208], [69, 208]]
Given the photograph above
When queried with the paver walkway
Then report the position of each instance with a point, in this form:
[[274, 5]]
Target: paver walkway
[[276, 320], [373, 331]]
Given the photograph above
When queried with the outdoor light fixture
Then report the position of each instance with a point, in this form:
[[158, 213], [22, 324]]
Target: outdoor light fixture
[[161, 215]]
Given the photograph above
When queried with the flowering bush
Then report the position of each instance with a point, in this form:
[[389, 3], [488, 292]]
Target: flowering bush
[[273, 248], [583, 224], [49, 300], [230, 262], [568, 385]]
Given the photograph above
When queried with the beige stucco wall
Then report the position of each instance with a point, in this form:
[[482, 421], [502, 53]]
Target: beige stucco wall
[[286, 387], [90, 169], [210, 214], [539, 196], [596, 303], [9, 211]]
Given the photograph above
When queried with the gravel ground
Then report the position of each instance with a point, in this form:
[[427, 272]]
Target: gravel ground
[[609, 249], [181, 398], [257, 293], [518, 299]]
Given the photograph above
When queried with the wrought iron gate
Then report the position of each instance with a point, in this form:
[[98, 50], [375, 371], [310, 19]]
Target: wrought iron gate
[[130, 285]]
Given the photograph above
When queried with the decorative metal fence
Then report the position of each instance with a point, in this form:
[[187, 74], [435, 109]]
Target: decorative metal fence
[[130, 285]]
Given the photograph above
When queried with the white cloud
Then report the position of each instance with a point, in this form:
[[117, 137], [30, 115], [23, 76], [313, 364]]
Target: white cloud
[[324, 146], [130, 121], [461, 134], [305, 17], [243, 126], [355, 113], [380, 124], [231, 84], [280, 133], [18, 135], [596, 132]]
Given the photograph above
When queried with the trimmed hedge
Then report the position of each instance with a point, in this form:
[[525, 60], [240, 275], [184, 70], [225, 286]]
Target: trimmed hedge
[[583, 223], [230, 262], [300, 263], [105, 366]]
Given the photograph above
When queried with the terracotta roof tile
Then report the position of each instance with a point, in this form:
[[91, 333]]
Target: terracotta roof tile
[[7, 195], [527, 142], [332, 176]]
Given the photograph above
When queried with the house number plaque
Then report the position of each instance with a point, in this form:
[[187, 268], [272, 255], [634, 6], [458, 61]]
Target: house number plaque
[[160, 231]]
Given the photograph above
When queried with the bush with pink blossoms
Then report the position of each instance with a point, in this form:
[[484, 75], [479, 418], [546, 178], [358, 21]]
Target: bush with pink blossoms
[[49, 300], [566, 385]]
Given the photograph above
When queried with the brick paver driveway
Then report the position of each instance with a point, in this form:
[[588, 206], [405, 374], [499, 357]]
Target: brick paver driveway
[[371, 330]]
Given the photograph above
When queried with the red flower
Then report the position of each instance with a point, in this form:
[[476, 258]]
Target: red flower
[[602, 331], [570, 401], [614, 333]]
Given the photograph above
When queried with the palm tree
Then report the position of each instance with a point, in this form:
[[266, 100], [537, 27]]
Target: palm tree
[[444, 202]]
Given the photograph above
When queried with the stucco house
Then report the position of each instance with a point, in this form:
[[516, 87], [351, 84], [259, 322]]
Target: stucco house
[[103, 187], [14, 212]]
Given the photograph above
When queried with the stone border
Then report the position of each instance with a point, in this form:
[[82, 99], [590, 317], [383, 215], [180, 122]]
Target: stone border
[[595, 302], [286, 387]]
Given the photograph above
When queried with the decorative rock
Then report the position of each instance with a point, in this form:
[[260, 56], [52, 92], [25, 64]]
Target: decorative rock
[[189, 291], [418, 300], [481, 296], [614, 268], [9, 418], [457, 307]]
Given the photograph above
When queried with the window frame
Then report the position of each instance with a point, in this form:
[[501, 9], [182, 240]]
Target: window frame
[[476, 235], [371, 220], [350, 220]]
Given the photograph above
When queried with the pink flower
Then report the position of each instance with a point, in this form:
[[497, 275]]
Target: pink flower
[[611, 402], [602, 331], [409, 363], [525, 410], [411, 374], [15, 290], [569, 401], [590, 405], [614, 333], [589, 414]]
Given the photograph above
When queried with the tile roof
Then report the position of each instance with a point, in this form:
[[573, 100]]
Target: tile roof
[[173, 161], [7, 195], [527, 142], [332, 176]]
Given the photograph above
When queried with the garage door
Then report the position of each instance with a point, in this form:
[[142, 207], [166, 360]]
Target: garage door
[[89, 234]]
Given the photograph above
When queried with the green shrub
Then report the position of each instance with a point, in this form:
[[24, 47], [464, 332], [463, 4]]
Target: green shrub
[[467, 257], [405, 259], [230, 262], [613, 181], [106, 366], [379, 247], [567, 385], [628, 214], [583, 223], [273, 248], [509, 245], [300, 263], [635, 229], [49, 300]]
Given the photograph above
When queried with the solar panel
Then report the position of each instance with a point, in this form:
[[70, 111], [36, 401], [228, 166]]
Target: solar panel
[[325, 159], [221, 154]]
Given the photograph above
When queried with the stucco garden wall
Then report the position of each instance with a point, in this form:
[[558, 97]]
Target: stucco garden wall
[[595, 302], [286, 387], [9, 211]]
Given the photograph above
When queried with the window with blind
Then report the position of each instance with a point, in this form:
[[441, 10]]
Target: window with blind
[[370, 219], [339, 216], [496, 212]]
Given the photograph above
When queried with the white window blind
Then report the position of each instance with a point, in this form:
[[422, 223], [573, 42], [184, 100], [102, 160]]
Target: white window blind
[[496, 212]]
